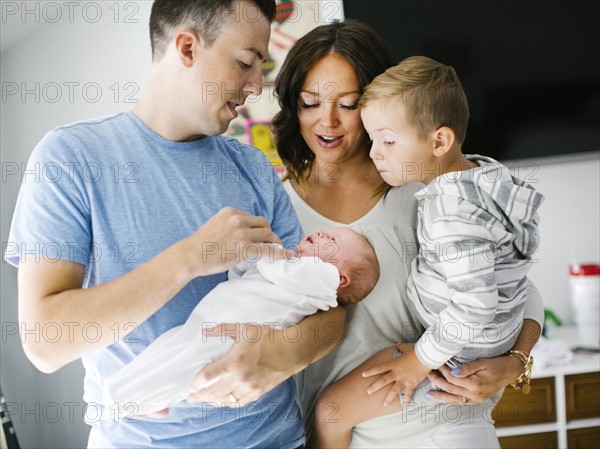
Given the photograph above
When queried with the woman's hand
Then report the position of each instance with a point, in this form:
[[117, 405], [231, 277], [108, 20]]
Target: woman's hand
[[479, 380], [475, 381]]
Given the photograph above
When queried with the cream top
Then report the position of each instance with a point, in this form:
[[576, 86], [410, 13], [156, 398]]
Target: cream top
[[380, 320]]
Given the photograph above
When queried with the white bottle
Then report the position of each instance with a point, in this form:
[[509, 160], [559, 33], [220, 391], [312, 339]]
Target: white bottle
[[584, 281]]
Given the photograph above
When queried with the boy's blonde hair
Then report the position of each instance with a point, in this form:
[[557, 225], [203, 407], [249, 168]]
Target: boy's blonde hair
[[429, 91]]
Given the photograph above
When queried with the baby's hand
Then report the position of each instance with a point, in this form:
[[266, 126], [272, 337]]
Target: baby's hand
[[405, 372]]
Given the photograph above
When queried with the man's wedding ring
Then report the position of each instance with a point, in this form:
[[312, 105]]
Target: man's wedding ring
[[465, 400]]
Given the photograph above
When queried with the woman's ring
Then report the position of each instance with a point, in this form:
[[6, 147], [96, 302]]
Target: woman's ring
[[465, 400], [232, 398]]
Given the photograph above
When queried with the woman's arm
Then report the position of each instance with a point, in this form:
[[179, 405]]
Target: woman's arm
[[481, 379]]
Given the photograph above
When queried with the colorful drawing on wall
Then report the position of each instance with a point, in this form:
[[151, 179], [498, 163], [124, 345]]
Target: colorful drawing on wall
[[280, 38], [268, 66], [259, 135]]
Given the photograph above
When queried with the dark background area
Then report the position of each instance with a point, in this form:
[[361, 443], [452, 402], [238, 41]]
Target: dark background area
[[531, 69]]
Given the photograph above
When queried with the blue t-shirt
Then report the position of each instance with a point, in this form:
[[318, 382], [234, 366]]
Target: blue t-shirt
[[111, 194]]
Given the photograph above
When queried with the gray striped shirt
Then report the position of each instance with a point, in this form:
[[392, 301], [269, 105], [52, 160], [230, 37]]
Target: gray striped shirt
[[478, 231]]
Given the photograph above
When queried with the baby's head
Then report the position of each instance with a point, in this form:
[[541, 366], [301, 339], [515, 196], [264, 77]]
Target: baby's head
[[351, 254], [416, 114]]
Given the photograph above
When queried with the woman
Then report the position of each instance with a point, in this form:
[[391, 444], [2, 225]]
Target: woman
[[332, 182]]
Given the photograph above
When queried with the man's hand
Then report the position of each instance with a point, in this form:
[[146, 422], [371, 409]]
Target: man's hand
[[253, 366], [229, 237], [264, 357]]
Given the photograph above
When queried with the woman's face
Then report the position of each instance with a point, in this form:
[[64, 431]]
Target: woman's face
[[328, 111]]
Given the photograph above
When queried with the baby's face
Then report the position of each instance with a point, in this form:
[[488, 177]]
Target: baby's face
[[335, 246]]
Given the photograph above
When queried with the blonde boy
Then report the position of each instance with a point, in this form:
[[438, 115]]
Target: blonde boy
[[477, 231]]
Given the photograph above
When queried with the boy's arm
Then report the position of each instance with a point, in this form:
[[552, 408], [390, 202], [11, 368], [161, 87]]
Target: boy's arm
[[468, 271], [481, 379]]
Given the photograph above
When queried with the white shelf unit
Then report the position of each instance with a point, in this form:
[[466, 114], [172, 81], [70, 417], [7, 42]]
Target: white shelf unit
[[579, 364]]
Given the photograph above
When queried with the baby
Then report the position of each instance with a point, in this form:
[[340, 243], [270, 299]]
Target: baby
[[329, 268]]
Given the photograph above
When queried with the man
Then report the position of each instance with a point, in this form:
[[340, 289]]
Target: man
[[130, 259]]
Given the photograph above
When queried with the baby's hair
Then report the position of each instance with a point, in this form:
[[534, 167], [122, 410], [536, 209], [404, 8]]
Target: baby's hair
[[364, 275], [429, 91]]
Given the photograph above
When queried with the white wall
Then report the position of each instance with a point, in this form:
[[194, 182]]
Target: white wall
[[570, 221], [47, 409]]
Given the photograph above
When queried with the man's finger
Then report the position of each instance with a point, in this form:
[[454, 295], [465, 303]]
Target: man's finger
[[208, 376], [271, 251], [262, 234], [254, 221], [279, 252]]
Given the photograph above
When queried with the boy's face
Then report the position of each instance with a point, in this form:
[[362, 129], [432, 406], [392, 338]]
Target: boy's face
[[397, 151]]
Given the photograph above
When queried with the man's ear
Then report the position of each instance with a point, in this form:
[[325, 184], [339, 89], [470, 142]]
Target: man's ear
[[187, 42], [344, 280], [443, 140]]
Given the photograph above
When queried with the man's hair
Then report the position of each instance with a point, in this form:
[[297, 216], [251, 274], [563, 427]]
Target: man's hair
[[205, 17], [357, 43], [429, 91], [364, 274]]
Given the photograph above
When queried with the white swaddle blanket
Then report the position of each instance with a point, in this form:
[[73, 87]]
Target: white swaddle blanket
[[264, 293]]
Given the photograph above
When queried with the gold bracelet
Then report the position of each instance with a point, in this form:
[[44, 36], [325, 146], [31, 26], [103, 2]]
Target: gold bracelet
[[522, 382]]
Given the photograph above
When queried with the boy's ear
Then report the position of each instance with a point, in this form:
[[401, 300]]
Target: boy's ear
[[344, 280], [185, 43], [443, 141]]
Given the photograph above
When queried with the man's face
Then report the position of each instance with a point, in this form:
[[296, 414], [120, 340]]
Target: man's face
[[227, 72]]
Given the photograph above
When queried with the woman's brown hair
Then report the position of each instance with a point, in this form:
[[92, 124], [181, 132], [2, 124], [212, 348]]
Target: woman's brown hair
[[356, 42]]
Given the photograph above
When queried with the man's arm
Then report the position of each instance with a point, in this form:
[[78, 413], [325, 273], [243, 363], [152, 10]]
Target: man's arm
[[263, 357], [51, 293]]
